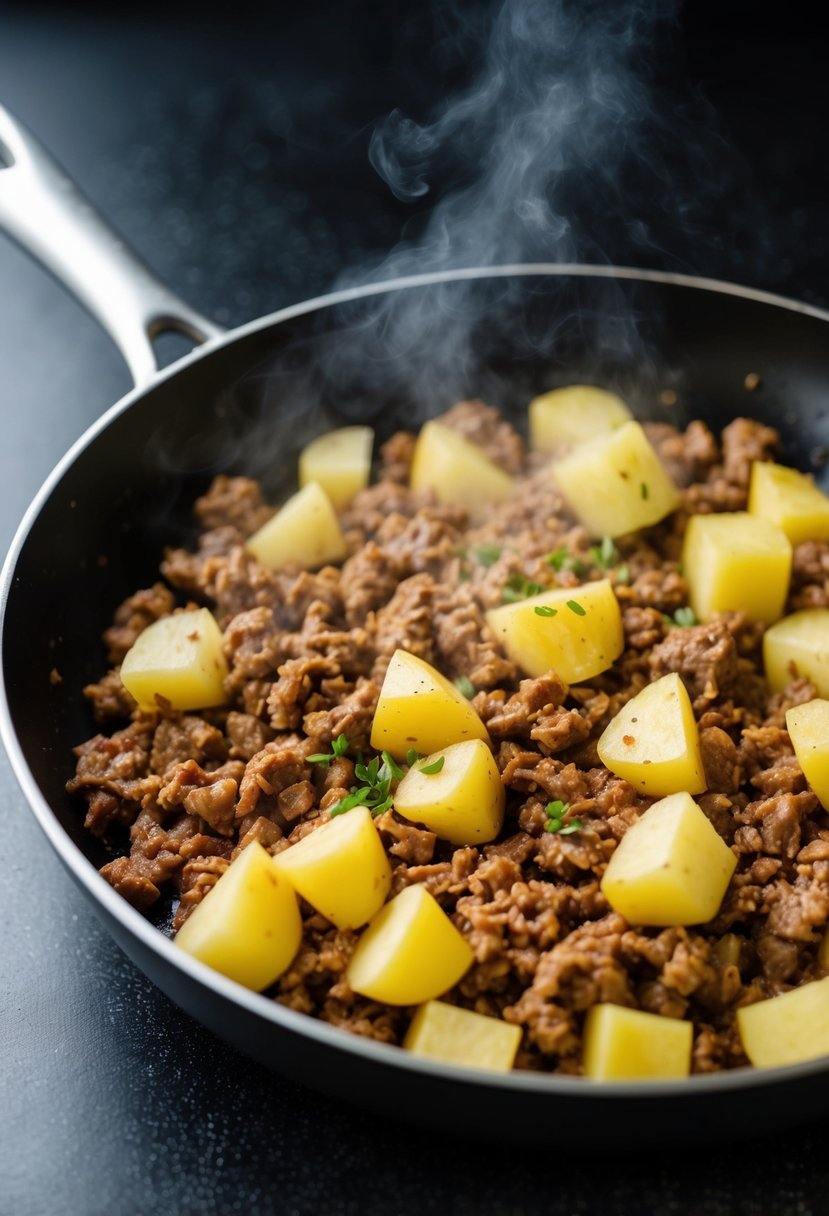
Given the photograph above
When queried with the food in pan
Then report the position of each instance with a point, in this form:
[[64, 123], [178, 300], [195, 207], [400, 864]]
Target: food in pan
[[515, 758]]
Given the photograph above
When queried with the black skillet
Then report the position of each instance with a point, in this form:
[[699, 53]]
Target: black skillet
[[391, 353]]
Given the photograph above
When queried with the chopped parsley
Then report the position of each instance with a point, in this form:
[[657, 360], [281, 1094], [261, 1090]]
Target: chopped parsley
[[683, 617], [606, 554], [544, 610], [487, 555], [412, 757], [434, 767], [562, 559], [375, 790], [644, 489], [557, 822], [465, 687], [519, 587], [338, 748], [576, 607], [623, 574]]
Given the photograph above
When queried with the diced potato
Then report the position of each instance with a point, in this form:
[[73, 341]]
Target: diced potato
[[458, 471], [304, 532], [653, 742], [787, 1029], [789, 499], [736, 562], [629, 1045], [339, 461], [808, 727], [670, 867], [341, 869], [458, 1036], [419, 708], [411, 952], [616, 482], [798, 645], [463, 802], [248, 925], [575, 631], [179, 658], [573, 415]]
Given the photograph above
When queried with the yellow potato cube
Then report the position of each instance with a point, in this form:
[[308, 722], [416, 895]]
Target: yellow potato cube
[[798, 645], [787, 1029], [670, 867], [458, 1036], [411, 952], [628, 1045], [576, 632], [179, 658], [653, 742], [419, 708], [339, 461], [573, 415], [808, 727], [248, 925], [616, 482], [463, 802], [304, 532], [341, 869], [458, 471], [789, 499], [737, 562]]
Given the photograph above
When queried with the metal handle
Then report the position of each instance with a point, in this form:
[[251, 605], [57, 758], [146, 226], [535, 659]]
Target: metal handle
[[47, 214]]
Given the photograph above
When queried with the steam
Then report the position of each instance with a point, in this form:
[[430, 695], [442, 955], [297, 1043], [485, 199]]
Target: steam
[[569, 143]]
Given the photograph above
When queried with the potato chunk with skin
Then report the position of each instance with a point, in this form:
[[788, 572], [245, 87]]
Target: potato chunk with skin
[[341, 869], [179, 658], [458, 1036], [575, 631], [411, 951], [573, 415], [798, 645], [419, 708], [628, 1045], [670, 868], [339, 461], [808, 727], [653, 742], [248, 925], [787, 1029], [463, 802], [304, 532], [736, 563], [789, 499], [458, 471], [616, 483]]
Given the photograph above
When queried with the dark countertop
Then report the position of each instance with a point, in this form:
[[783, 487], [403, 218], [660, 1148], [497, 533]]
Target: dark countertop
[[232, 154]]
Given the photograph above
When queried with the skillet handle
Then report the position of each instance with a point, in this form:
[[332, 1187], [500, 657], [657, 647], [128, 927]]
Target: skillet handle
[[49, 217]]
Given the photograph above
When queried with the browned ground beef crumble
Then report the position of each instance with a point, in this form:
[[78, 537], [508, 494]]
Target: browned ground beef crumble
[[307, 655]]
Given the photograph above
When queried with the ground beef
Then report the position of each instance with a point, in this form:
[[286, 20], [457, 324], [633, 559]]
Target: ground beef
[[307, 653]]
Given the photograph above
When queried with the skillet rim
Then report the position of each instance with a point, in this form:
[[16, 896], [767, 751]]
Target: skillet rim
[[131, 921]]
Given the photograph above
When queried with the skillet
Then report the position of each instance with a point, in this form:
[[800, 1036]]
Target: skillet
[[676, 347]]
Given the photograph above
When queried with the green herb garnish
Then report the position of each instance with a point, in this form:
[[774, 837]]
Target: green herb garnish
[[623, 574], [375, 791], [576, 607], [338, 748], [606, 554], [487, 555], [519, 587], [683, 617], [544, 610], [434, 767], [556, 816], [643, 488], [562, 559], [465, 687]]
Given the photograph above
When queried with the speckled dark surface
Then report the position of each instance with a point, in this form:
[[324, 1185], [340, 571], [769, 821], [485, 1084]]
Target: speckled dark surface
[[232, 154]]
